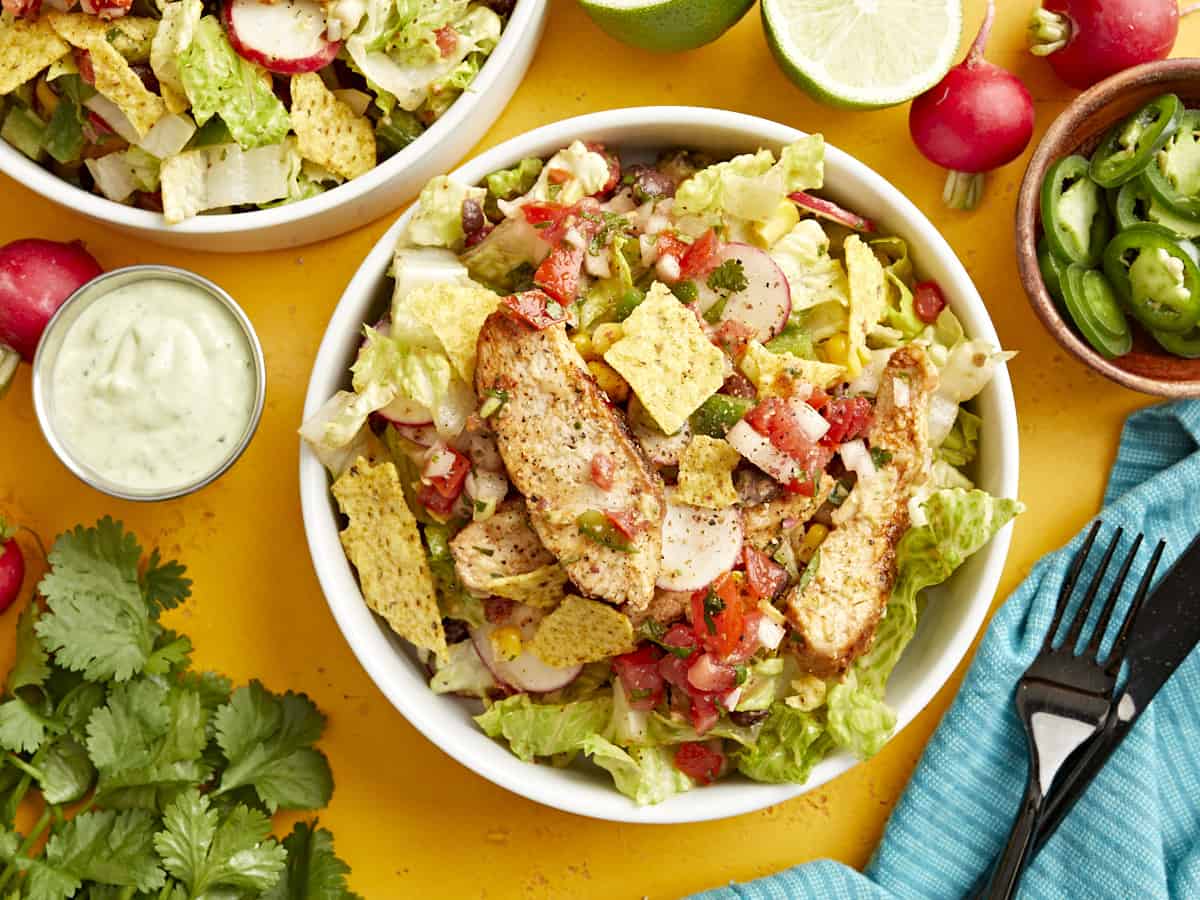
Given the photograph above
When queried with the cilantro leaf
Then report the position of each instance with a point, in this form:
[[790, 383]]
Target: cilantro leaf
[[171, 651], [98, 624], [204, 852], [148, 735], [77, 705], [163, 584], [31, 667], [66, 769], [729, 277], [267, 740], [314, 871], [100, 845], [22, 727], [13, 785]]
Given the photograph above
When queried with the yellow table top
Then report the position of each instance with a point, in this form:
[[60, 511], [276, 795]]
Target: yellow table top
[[409, 820]]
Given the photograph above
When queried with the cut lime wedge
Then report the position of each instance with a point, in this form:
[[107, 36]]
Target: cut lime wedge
[[864, 53], [666, 25]]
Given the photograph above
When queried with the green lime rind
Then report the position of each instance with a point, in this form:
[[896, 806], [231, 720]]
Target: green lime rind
[[906, 79], [666, 26]]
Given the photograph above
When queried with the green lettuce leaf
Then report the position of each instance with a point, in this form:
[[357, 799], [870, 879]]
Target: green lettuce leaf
[[646, 775], [463, 673], [790, 742], [219, 82], [813, 276], [957, 524], [963, 442], [437, 221], [540, 729]]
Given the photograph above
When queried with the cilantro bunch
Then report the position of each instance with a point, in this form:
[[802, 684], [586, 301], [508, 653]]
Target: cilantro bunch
[[148, 779]]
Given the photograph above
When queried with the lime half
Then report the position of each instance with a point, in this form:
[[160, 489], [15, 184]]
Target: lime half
[[666, 25], [864, 53]]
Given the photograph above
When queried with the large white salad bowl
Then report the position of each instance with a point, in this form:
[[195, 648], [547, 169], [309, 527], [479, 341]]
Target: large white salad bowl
[[386, 187], [954, 611]]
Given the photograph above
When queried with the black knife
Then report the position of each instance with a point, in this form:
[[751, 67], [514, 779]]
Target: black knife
[[1165, 631]]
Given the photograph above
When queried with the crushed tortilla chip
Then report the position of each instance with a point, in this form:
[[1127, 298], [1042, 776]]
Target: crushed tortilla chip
[[582, 631], [455, 312], [868, 299], [706, 473], [779, 374], [130, 35], [667, 360], [120, 84], [25, 49], [384, 544], [543, 587], [330, 133]]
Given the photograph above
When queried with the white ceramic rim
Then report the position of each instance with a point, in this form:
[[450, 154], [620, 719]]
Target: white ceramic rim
[[395, 670], [22, 169]]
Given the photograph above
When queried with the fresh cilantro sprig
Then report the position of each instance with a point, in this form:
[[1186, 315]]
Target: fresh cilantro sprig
[[177, 772]]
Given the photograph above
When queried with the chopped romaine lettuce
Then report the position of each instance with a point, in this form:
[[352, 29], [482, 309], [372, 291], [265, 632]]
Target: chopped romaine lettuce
[[570, 175], [961, 444], [813, 276], [172, 37], [646, 775], [225, 175], [790, 742], [545, 729], [437, 221], [118, 175], [463, 673]]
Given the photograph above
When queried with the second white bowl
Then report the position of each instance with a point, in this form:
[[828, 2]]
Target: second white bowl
[[953, 614]]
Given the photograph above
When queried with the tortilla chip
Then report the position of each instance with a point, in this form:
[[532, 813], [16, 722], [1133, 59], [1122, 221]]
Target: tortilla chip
[[330, 132], [130, 35], [120, 84], [667, 360], [25, 49], [780, 374], [384, 544], [706, 473], [868, 300], [543, 587], [582, 631], [455, 312]]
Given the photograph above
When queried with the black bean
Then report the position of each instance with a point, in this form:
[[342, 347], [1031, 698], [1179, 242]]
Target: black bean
[[456, 630], [747, 717], [651, 184], [473, 220], [500, 7]]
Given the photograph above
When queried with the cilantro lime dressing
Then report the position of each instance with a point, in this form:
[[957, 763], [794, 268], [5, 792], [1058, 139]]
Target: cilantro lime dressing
[[154, 385]]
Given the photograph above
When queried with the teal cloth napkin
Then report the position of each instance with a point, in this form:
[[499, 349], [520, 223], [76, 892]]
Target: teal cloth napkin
[[1136, 832]]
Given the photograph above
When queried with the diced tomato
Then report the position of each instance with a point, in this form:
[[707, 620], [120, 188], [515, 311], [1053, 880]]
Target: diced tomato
[[738, 385], [99, 126], [667, 244], [533, 308], [83, 62], [435, 501], [22, 8], [801, 487], [602, 471], [710, 676], [497, 609], [674, 671], [928, 301], [700, 258], [557, 176], [848, 418], [106, 9], [818, 398], [699, 761], [624, 520], [765, 576], [614, 169], [733, 336], [704, 711], [449, 483], [447, 40], [775, 419], [558, 275], [749, 642], [680, 640], [718, 614], [549, 219], [640, 678]]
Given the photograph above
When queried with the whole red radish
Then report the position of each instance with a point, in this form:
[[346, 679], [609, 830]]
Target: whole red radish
[[12, 567], [1085, 41], [36, 277], [978, 118]]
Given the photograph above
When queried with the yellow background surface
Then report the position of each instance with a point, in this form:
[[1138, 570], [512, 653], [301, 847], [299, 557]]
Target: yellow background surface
[[411, 822]]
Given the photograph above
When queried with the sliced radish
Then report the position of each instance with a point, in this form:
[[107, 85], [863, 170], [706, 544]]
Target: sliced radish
[[827, 209], [287, 36], [526, 672], [766, 302], [698, 545], [424, 435], [403, 411], [758, 449], [661, 449]]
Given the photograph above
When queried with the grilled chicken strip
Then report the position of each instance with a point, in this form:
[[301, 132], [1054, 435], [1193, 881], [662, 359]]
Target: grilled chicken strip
[[501, 546], [836, 613], [555, 424], [665, 608], [767, 522]]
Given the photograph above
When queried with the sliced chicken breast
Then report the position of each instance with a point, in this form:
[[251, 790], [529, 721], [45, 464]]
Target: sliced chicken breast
[[504, 545], [552, 428], [835, 614]]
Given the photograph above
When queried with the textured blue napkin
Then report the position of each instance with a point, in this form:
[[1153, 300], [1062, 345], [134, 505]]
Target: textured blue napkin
[[1136, 832]]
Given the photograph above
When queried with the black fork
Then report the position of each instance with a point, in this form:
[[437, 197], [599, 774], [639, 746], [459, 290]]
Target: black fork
[[1064, 698]]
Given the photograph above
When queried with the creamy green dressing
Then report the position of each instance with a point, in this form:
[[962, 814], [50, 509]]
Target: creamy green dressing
[[154, 385]]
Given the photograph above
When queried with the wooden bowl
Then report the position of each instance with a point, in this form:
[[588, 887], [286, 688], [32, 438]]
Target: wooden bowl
[[1147, 367]]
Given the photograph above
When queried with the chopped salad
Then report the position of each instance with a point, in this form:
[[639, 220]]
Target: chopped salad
[[192, 106], [656, 459]]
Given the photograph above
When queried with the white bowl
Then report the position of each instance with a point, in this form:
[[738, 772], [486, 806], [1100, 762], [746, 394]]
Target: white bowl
[[387, 186], [952, 617]]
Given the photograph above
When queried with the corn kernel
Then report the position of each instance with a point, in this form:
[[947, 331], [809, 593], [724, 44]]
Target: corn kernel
[[583, 343], [604, 336], [610, 381], [813, 538], [506, 642], [46, 97], [837, 349]]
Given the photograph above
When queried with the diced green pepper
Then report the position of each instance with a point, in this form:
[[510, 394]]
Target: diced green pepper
[[718, 414], [596, 525], [1130, 145], [1074, 215]]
